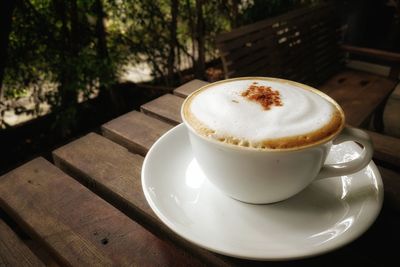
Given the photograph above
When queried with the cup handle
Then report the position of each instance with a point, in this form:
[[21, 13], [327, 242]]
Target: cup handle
[[349, 134]]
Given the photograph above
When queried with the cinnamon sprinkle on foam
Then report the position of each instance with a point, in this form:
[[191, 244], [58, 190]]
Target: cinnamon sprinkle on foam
[[264, 95]]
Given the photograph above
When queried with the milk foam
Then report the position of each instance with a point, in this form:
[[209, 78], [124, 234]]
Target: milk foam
[[226, 113]]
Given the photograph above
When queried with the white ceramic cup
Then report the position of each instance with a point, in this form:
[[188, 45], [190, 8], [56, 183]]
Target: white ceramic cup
[[265, 176]]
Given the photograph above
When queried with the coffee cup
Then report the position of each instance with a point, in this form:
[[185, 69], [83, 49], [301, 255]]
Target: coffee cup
[[262, 140]]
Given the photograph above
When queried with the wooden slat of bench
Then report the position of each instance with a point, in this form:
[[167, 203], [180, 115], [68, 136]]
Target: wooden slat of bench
[[42, 253], [189, 87], [259, 67], [13, 252], [251, 64], [34, 246], [253, 37], [144, 130], [386, 149], [105, 167], [78, 227], [358, 102], [114, 173], [247, 49], [391, 183], [166, 108]]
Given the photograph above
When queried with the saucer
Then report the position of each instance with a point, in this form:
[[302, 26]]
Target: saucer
[[326, 215]]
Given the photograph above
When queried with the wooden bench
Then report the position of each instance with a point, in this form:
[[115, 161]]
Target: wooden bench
[[115, 175], [304, 46], [88, 208]]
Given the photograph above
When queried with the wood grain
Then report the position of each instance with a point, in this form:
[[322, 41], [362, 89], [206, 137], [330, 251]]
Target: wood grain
[[248, 48], [386, 149], [235, 45], [374, 53], [166, 108], [135, 131], [189, 87], [257, 64], [13, 252], [75, 225], [114, 173], [106, 168], [391, 183], [358, 93]]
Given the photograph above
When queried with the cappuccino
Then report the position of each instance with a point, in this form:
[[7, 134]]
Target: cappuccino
[[263, 113]]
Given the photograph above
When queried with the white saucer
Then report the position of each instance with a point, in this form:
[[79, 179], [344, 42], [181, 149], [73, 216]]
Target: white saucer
[[328, 214]]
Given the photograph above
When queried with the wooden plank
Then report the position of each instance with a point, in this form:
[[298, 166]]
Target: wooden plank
[[13, 252], [239, 43], [114, 173], [386, 149], [391, 182], [78, 227], [111, 171], [34, 246], [137, 131], [394, 72], [166, 108], [374, 53], [249, 49], [41, 253], [359, 93], [259, 66], [248, 61], [189, 87]]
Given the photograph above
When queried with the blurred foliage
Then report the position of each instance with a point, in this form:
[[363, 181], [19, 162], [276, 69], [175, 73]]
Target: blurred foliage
[[59, 50]]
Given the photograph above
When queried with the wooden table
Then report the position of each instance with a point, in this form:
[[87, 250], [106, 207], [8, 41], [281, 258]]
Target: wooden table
[[87, 208]]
